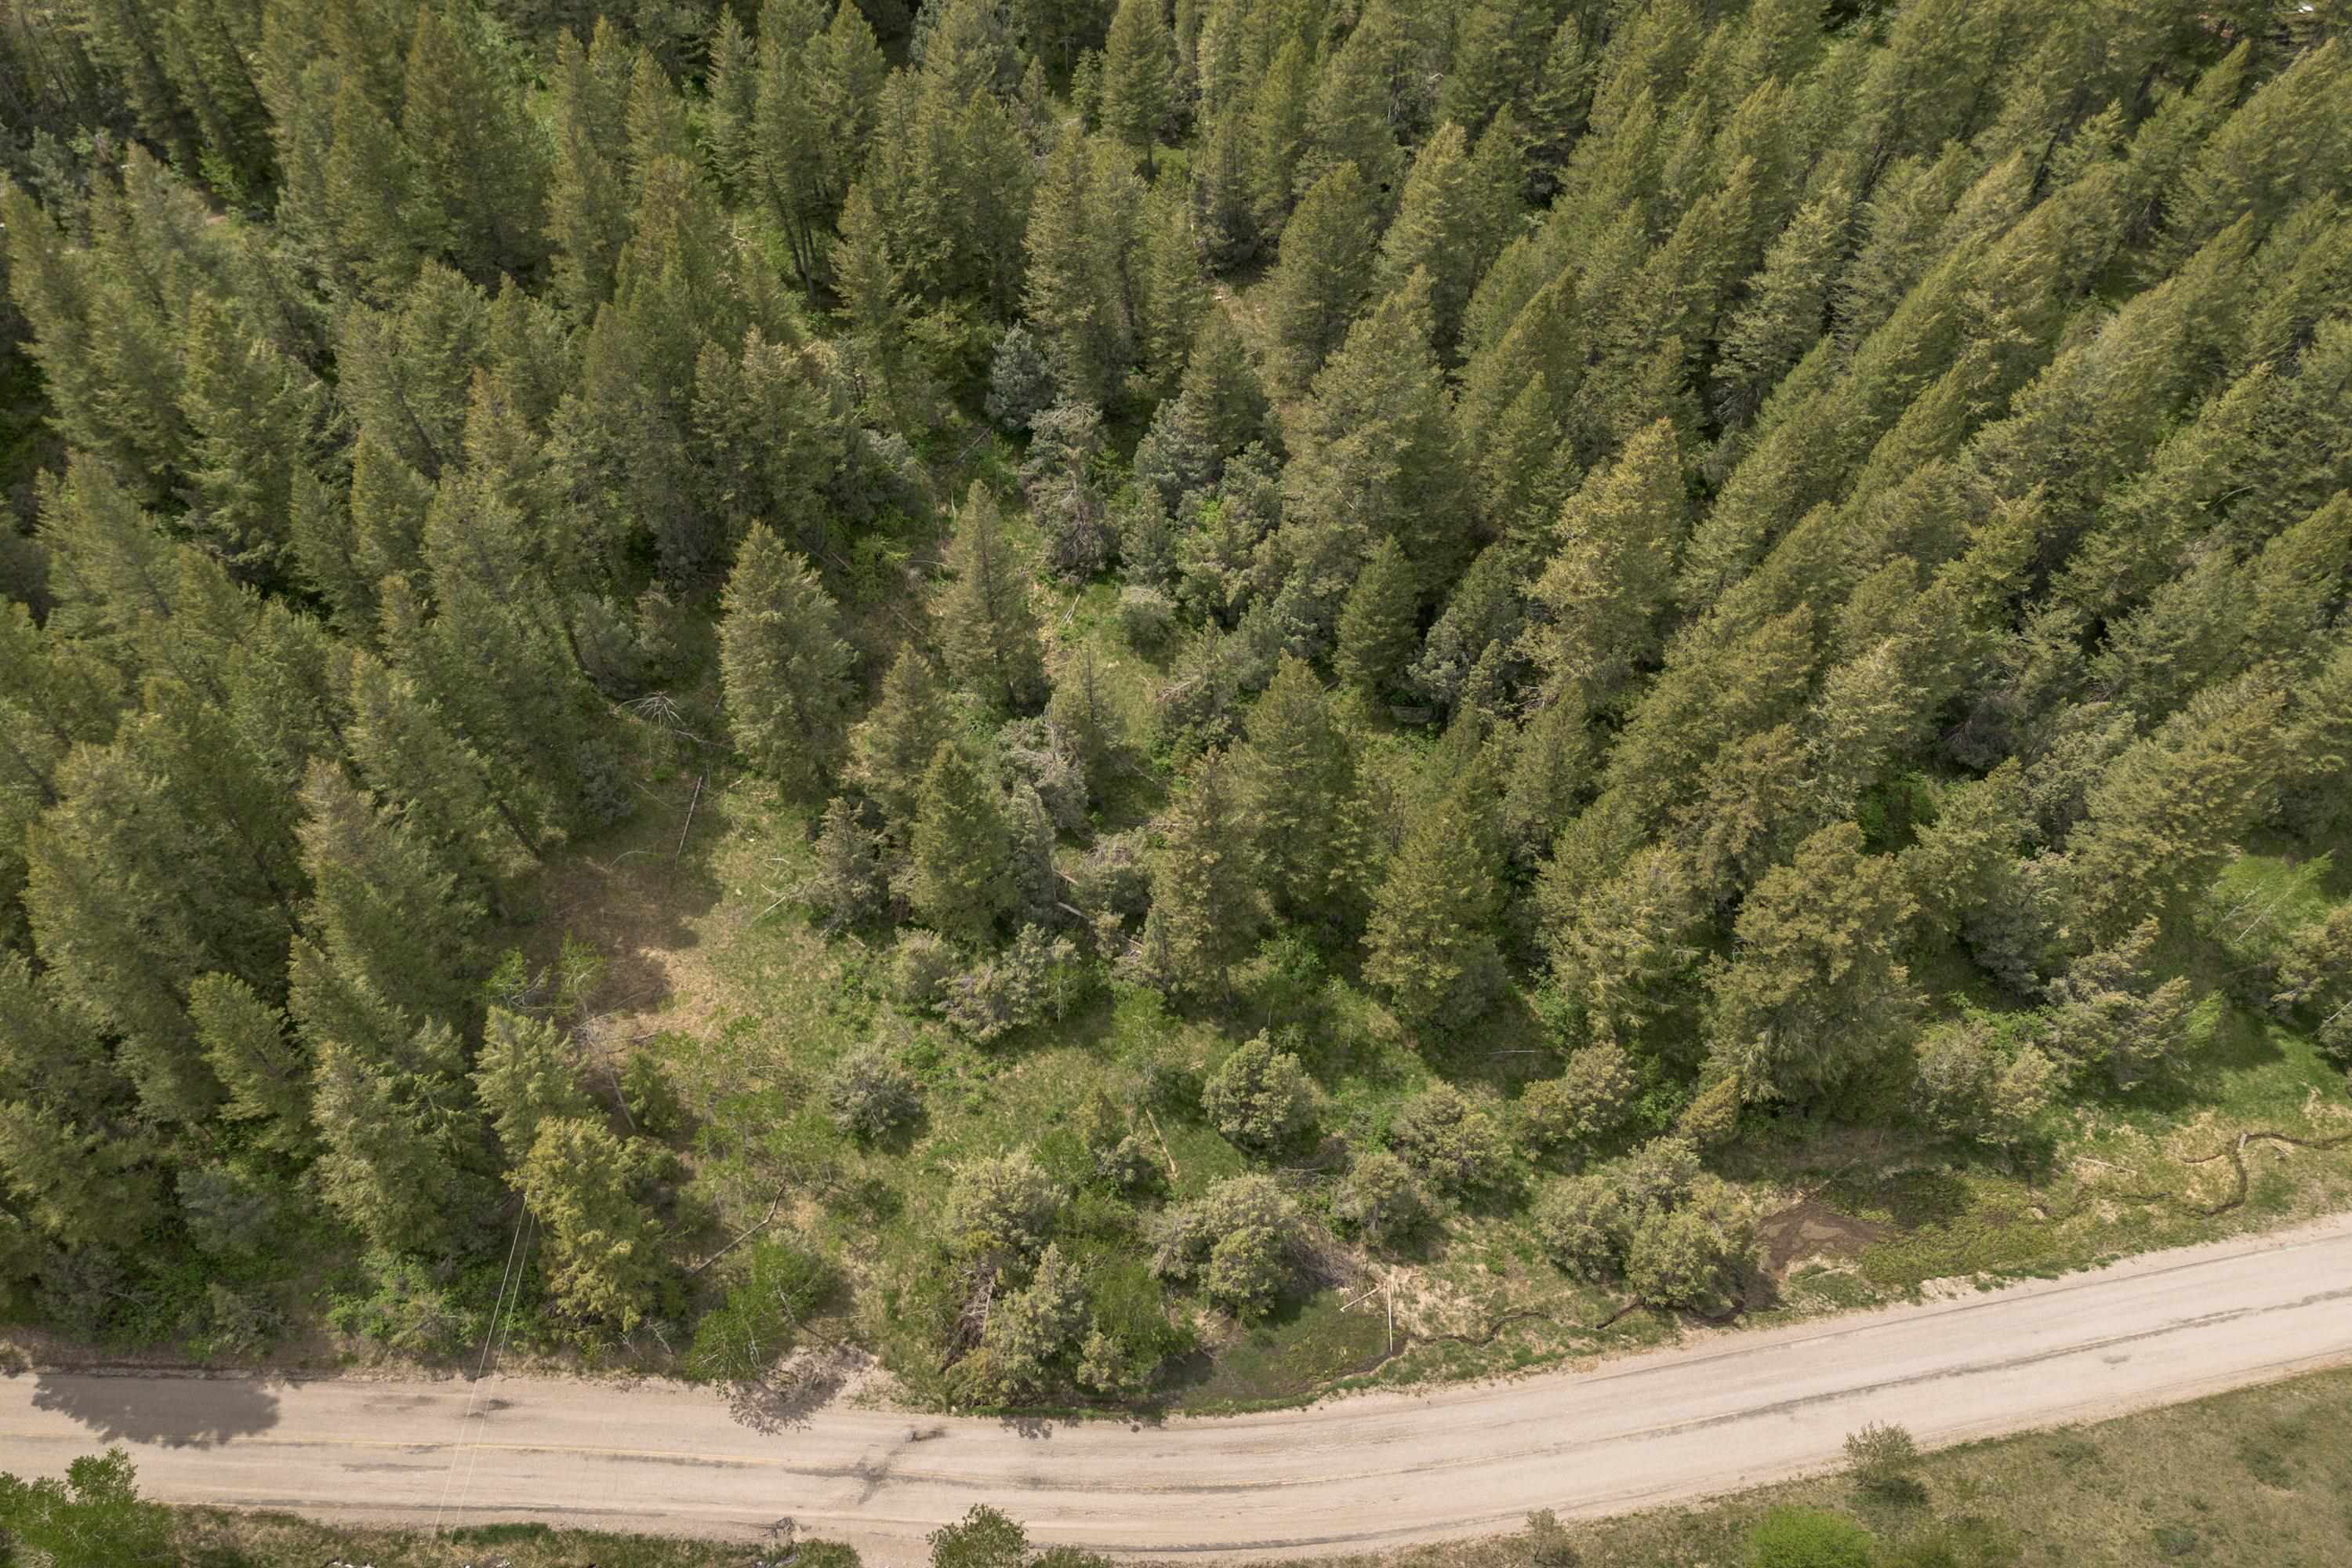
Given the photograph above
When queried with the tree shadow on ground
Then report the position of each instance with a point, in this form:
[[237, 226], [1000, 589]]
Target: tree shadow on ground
[[172, 1411], [809, 1382]]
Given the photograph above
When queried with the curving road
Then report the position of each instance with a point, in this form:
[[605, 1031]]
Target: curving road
[[1352, 1474]]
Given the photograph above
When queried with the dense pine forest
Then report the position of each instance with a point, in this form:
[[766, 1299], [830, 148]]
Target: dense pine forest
[[1287, 641]]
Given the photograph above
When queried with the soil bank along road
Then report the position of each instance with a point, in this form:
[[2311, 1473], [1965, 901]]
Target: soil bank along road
[[1352, 1474]]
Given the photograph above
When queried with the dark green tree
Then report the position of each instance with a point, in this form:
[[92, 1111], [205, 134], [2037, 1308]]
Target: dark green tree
[[892, 747], [984, 623], [370, 873], [1813, 993], [1204, 904], [1431, 945], [1376, 628], [1295, 780], [784, 665], [1326, 269], [959, 873], [1138, 75]]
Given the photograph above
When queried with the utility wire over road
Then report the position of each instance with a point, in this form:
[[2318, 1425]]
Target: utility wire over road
[[1352, 1474]]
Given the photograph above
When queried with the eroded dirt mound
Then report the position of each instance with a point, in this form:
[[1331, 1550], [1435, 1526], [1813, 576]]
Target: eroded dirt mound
[[1811, 1229]]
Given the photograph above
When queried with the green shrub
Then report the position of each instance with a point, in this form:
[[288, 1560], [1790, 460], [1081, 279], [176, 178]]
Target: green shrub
[[1882, 1458], [1694, 1251], [1007, 1204], [92, 1519], [653, 1104], [1381, 1198], [1240, 1242], [776, 1286], [986, 1538], [1587, 1100], [1259, 1097], [1578, 1221], [1453, 1141], [871, 1095], [1548, 1543]]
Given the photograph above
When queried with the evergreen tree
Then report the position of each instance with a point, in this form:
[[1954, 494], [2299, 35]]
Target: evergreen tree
[[1376, 623], [2109, 1011], [244, 1042], [1296, 784], [107, 316], [1138, 71], [602, 1250], [784, 665], [1483, 614], [1080, 293], [371, 876], [1785, 311], [1219, 409], [1598, 599], [892, 747], [2317, 745], [733, 82], [1551, 773], [1813, 993], [588, 196], [1443, 227], [1083, 712], [401, 1153], [1377, 456], [1173, 297], [1225, 188], [1348, 113], [1204, 907], [985, 625], [2162, 818], [1498, 48], [524, 1078], [80, 1186], [407, 751], [481, 175], [1275, 131], [958, 879], [1629, 947], [2280, 146], [373, 209], [167, 856], [250, 413], [845, 887], [1431, 942], [1325, 266], [408, 373]]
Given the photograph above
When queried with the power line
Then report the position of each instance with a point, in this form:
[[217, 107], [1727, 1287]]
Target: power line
[[466, 1493], [473, 1389]]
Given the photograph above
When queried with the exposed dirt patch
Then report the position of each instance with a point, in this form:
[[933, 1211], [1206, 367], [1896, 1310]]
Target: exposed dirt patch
[[644, 902], [1811, 1229]]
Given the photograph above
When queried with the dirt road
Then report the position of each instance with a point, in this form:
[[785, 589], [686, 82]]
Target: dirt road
[[1352, 1474]]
